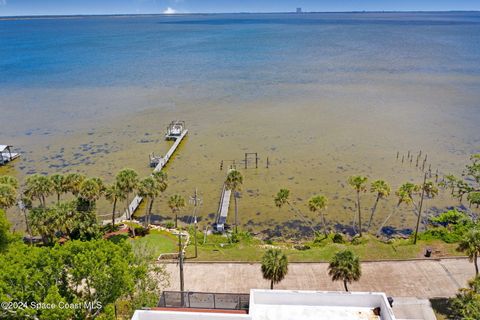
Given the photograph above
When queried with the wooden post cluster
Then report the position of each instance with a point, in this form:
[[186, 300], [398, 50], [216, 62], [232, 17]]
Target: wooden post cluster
[[246, 160]]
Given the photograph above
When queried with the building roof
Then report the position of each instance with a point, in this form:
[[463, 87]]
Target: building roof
[[292, 304], [4, 146]]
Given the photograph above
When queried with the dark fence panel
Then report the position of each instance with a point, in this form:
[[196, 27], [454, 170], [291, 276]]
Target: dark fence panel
[[204, 300]]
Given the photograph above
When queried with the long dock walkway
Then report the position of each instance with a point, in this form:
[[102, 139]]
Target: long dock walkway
[[223, 206], [133, 206]]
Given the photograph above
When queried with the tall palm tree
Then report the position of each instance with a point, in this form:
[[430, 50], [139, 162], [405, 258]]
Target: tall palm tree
[[59, 185], [430, 191], [8, 196], [127, 181], [404, 195], [382, 189], [359, 183], [274, 266], [233, 182], [114, 194], [148, 188], [90, 192], [319, 204], [175, 203], [161, 179], [12, 181], [470, 245], [345, 266], [73, 182], [38, 187], [25, 204], [282, 198]]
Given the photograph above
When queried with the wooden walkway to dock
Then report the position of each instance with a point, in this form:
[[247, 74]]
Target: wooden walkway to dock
[[223, 206], [133, 206]]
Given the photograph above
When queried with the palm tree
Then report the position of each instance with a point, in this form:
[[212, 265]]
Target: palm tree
[[161, 179], [405, 195], [359, 184], [73, 182], [12, 181], [345, 266], [127, 181], [282, 198], [38, 187], [233, 182], [59, 185], [470, 245], [113, 194], [319, 203], [430, 190], [26, 204], [90, 192], [274, 266], [382, 189], [450, 181], [148, 188], [175, 203], [8, 196], [474, 198]]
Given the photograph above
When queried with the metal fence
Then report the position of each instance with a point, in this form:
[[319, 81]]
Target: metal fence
[[204, 300]]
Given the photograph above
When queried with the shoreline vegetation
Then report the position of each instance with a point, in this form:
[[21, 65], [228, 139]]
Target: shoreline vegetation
[[118, 264]]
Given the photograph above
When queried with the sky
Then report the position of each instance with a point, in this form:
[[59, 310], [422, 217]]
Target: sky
[[66, 7]]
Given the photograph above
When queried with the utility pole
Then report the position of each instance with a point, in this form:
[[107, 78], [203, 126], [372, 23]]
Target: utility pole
[[420, 209], [180, 258], [196, 201]]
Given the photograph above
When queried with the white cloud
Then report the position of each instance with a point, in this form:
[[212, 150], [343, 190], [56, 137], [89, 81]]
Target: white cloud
[[166, 11]]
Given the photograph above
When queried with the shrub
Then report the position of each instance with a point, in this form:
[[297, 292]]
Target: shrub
[[139, 230], [234, 238], [449, 227], [245, 235], [356, 240], [451, 217], [302, 247], [337, 238], [169, 224]]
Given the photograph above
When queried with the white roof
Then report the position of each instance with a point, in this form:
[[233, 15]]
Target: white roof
[[318, 305], [4, 146], [293, 305]]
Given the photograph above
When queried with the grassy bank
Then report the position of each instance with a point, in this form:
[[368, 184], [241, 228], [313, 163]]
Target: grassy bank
[[217, 248], [246, 248]]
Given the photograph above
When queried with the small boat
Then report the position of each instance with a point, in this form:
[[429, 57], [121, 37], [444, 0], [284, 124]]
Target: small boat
[[6, 154], [175, 130]]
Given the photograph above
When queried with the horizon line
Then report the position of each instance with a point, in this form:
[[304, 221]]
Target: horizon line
[[219, 13]]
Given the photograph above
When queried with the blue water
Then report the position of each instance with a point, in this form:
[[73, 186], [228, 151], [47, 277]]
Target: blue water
[[257, 49], [324, 96]]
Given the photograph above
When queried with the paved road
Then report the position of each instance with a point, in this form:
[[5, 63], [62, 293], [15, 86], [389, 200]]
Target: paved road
[[420, 278]]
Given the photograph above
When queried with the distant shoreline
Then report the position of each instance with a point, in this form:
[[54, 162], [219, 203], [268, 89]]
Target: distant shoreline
[[131, 15]]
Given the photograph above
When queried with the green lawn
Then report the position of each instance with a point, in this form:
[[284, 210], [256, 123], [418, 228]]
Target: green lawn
[[250, 249], [218, 248], [159, 241]]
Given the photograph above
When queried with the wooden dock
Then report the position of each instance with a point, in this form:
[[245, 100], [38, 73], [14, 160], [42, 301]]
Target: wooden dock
[[133, 206], [222, 212], [6, 155]]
